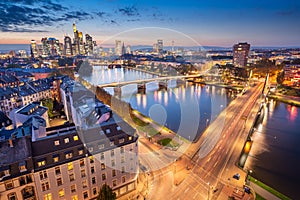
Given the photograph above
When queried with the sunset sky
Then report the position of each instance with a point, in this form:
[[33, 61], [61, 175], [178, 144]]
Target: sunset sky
[[210, 22]]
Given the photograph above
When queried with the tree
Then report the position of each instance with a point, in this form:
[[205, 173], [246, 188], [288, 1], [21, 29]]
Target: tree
[[106, 193]]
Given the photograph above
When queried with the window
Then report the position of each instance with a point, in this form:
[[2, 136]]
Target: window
[[61, 193], [94, 180], [66, 140], [57, 170], [101, 132], [82, 173], [56, 142], [122, 150], [123, 169], [103, 177], [81, 162], [113, 172], [55, 158], [85, 195], [22, 166], [84, 184], [113, 163], [91, 159], [75, 137], [102, 166], [101, 146], [74, 197], [73, 188], [114, 183], [59, 182], [122, 140], [92, 170], [70, 166], [118, 128], [130, 138], [45, 186], [9, 185], [122, 159], [94, 191], [12, 196], [69, 155], [22, 181], [71, 177], [80, 151], [123, 179], [102, 156], [112, 152], [112, 143], [41, 163], [48, 196], [107, 131], [43, 175]]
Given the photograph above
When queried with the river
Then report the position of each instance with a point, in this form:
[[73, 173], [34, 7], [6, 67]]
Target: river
[[274, 156]]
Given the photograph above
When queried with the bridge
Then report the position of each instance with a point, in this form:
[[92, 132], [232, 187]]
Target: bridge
[[141, 83]]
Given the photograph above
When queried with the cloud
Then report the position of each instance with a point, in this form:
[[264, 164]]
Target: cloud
[[129, 11], [34, 15]]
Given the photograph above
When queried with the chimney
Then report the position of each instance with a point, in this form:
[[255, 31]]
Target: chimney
[[10, 142]]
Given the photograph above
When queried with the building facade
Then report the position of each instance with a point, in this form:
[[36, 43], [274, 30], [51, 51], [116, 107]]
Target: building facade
[[241, 54]]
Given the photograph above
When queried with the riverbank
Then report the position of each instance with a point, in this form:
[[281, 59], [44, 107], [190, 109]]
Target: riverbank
[[292, 100], [218, 84]]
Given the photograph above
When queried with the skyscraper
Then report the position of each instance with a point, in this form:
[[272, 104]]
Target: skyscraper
[[68, 46], [241, 54], [160, 45], [33, 49], [89, 44], [118, 47]]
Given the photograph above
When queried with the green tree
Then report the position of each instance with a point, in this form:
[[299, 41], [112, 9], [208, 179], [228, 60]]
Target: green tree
[[106, 193]]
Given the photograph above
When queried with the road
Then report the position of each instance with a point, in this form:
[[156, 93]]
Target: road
[[213, 156]]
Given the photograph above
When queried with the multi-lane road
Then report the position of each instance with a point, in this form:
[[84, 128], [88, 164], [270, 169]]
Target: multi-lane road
[[214, 156]]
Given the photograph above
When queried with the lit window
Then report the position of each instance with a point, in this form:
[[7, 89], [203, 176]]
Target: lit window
[[81, 162], [56, 142], [80, 151], [69, 155], [91, 159], [41, 163], [22, 167], [66, 140], [61, 193], [102, 166], [70, 166], [74, 197], [130, 138], [122, 140], [75, 137], [55, 158], [48, 196]]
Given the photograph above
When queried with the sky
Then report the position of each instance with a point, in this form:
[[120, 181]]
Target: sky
[[142, 22]]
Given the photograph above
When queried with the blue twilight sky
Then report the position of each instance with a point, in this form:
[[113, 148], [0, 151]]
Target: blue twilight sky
[[210, 22]]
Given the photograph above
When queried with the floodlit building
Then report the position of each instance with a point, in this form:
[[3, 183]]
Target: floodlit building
[[241, 54]]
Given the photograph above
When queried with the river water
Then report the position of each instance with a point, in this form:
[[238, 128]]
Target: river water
[[274, 156], [186, 109]]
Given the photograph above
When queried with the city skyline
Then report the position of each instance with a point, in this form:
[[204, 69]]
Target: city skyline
[[214, 23]]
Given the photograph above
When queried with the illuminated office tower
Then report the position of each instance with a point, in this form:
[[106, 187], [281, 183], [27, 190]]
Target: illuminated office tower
[[89, 44], [118, 47], [33, 49], [68, 46], [241, 54], [160, 45]]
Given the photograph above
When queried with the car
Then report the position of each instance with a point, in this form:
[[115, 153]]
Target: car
[[237, 176], [247, 190]]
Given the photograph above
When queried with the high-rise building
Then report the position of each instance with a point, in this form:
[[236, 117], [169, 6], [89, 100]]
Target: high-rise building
[[33, 49], [68, 46], [160, 45], [241, 54], [89, 44], [118, 48]]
